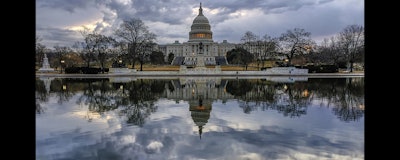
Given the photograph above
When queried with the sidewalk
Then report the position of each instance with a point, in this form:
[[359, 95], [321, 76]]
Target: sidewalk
[[177, 74]]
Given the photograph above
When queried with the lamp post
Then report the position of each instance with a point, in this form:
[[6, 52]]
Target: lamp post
[[286, 62], [120, 63], [62, 65]]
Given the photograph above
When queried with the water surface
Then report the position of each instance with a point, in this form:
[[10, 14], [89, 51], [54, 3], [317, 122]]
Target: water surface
[[199, 118]]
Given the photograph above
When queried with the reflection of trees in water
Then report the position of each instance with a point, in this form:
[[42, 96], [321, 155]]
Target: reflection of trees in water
[[59, 87], [238, 87], [138, 103], [41, 95], [288, 99], [292, 99], [98, 95], [134, 100], [347, 95]]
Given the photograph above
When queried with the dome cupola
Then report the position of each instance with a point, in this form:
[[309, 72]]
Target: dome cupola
[[200, 29]]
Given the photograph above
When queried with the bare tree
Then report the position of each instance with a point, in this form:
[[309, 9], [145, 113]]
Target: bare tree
[[323, 53], [352, 43], [248, 37], [40, 51], [60, 52], [269, 46], [144, 54], [136, 34], [86, 49], [120, 53], [295, 42], [100, 45]]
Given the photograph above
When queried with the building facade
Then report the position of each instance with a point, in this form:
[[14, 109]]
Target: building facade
[[200, 43]]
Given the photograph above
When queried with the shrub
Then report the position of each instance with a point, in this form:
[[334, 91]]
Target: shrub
[[90, 70], [322, 68], [73, 70]]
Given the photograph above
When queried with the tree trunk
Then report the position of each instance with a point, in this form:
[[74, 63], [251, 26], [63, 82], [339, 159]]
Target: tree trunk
[[351, 66], [141, 65], [102, 67], [133, 64]]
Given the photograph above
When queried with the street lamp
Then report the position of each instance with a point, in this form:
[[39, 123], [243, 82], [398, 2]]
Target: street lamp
[[286, 62], [120, 63], [62, 65]]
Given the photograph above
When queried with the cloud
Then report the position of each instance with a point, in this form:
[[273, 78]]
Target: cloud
[[67, 5], [57, 36], [170, 20]]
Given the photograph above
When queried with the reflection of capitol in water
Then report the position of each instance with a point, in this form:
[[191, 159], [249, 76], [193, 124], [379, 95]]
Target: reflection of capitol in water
[[200, 93], [189, 89]]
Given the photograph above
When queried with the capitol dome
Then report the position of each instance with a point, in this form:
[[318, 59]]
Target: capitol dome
[[200, 29]]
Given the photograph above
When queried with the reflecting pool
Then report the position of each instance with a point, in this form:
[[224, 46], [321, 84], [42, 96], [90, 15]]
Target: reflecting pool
[[199, 118]]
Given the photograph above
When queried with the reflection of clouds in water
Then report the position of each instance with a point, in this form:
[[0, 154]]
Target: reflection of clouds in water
[[284, 144], [65, 126], [127, 139], [154, 147], [168, 135], [71, 115], [268, 142]]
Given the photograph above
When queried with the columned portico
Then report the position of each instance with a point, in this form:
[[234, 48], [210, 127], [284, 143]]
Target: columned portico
[[200, 47]]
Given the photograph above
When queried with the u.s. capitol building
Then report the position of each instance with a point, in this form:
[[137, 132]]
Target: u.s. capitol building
[[200, 43]]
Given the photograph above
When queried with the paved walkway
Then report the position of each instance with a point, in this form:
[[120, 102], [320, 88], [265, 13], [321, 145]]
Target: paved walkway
[[174, 74]]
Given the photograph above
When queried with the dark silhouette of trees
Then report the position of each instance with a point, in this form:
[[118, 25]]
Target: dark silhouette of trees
[[239, 56], [269, 47], [327, 53], [252, 44], [157, 57], [352, 43], [135, 34], [60, 52], [145, 52], [101, 46], [170, 57], [119, 55], [295, 42]]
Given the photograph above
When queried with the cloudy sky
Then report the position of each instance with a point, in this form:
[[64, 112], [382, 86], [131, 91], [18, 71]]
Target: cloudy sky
[[58, 22]]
